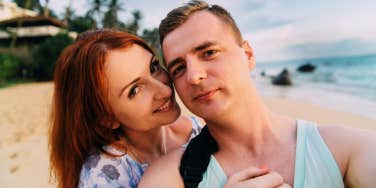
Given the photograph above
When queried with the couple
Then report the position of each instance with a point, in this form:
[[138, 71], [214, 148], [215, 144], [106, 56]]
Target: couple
[[115, 112]]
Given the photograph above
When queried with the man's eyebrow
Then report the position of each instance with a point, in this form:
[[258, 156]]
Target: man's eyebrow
[[174, 62], [202, 46], [136, 79]]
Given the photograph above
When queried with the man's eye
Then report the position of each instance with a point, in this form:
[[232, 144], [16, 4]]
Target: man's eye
[[155, 66], [210, 53], [178, 70], [133, 91]]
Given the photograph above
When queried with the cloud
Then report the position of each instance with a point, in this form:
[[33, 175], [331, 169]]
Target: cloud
[[264, 23], [278, 29]]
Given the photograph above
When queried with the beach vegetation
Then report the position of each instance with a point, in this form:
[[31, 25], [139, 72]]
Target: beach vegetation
[[36, 62], [46, 54]]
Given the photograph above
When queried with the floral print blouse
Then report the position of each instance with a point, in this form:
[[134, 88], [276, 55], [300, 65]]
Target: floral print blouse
[[103, 171]]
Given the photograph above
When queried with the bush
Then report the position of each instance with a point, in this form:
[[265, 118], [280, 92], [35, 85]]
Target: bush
[[46, 54], [15, 67], [10, 68]]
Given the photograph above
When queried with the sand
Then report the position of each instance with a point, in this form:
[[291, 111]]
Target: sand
[[24, 111]]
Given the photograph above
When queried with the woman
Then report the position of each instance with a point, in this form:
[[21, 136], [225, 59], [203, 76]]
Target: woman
[[114, 112]]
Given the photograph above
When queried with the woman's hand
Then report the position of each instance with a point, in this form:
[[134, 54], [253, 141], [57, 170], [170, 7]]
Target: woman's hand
[[257, 178]]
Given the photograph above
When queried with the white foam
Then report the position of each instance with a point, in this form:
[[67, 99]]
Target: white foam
[[322, 95]]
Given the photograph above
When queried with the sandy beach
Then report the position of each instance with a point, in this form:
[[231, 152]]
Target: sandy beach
[[24, 113]]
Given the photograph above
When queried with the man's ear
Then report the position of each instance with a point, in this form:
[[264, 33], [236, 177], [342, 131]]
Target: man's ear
[[250, 56]]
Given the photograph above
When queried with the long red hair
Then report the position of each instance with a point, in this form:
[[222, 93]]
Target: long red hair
[[80, 104]]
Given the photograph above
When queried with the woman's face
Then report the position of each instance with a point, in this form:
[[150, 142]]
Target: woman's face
[[140, 92]]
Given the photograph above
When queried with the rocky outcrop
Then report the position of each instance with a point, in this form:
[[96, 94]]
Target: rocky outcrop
[[307, 67], [283, 78]]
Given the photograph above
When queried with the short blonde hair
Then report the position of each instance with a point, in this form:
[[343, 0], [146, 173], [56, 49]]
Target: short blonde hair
[[178, 16]]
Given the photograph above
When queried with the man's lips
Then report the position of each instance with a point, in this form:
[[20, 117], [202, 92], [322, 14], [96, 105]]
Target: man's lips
[[204, 96]]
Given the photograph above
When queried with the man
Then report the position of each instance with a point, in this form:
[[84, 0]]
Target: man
[[209, 63]]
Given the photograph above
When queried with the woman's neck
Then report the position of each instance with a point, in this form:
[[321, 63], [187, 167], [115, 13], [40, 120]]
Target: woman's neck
[[146, 146]]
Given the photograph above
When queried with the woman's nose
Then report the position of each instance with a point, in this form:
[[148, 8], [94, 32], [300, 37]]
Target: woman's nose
[[162, 88]]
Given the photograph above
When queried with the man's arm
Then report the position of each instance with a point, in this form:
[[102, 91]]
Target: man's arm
[[354, 150], [361, 169], [164, 172]]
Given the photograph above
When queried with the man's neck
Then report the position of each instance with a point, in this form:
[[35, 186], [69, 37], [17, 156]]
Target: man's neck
[[250, 127]]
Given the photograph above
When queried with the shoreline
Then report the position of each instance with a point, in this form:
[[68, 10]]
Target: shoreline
[[319, 114], [317, 95]]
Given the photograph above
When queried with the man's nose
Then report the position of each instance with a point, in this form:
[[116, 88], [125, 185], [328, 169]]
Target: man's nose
[[195, 71]]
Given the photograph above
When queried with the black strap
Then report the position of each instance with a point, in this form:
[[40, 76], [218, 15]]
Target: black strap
[[196, 158]]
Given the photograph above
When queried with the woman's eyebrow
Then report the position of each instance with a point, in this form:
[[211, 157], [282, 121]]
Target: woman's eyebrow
[[136, 79], [126, 86]]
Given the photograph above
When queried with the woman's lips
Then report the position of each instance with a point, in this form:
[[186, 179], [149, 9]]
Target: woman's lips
[[165, 107]]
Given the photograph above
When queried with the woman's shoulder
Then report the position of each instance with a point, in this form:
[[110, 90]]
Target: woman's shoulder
[[96, 160], [101, 169]]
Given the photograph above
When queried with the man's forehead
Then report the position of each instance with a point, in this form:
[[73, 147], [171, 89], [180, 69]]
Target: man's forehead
[[200, 27]]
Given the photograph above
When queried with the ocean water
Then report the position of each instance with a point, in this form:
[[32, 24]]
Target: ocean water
[[343, 83]]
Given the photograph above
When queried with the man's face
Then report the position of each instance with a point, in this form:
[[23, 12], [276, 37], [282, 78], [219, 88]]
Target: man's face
[[208, 66]]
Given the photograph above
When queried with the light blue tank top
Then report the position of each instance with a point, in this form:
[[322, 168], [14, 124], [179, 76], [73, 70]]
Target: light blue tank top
[[315, 165]]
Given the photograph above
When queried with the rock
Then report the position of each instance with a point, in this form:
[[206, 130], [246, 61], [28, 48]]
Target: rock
[[263, 73], [308, 67], [283, 78]]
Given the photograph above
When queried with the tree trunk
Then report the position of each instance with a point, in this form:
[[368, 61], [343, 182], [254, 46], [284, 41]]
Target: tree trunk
[[46, 11], [19, 24]]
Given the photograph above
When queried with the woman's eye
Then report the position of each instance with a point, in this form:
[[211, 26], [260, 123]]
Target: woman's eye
[[155, 66], [134, 90]]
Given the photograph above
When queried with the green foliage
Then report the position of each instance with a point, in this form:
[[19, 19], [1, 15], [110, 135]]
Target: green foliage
[[36, 6], [134, 26], [81, 23], [15, 67], [46, 54], [28, 4], [39, 63], [95, 12], [9, 68], [152, 37], [110, 19]]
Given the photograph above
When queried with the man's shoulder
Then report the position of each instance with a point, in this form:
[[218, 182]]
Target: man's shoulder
[[164, 172], [348, 144], [346, 136], [347, 140]]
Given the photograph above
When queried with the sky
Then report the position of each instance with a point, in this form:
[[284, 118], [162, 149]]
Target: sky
[[278, 29]]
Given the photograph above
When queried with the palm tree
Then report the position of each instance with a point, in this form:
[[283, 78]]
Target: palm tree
[[152, 37], [135, 24], [46, 11], [111, 19], [27, 4], [95, 11], [68, 13]]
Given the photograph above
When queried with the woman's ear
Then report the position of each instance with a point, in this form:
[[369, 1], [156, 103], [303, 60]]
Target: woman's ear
[[249, 53], [113, 124]]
